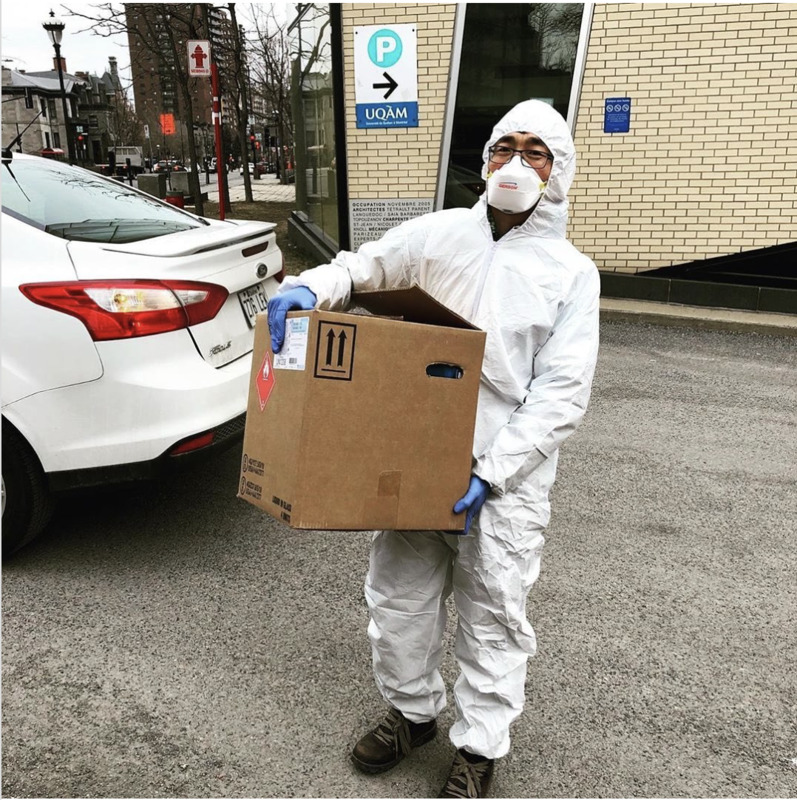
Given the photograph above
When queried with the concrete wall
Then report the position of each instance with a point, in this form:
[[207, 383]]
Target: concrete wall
[[710, 164]]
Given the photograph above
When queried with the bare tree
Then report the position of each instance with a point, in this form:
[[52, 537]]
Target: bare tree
[[127, 125], [160, 29], [310, 68], [271, 75], [557, 26]]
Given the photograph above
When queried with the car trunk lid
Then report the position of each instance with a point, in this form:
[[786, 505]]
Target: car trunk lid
[[243, 257]]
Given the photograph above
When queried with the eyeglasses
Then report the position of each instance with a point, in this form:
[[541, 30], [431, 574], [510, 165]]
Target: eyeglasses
[[501, 154]]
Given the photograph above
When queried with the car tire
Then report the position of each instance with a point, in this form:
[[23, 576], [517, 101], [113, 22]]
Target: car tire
[[26, 502]]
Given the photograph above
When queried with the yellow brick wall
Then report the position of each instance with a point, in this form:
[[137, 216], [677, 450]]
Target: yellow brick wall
[[400, 162], [710, 164]]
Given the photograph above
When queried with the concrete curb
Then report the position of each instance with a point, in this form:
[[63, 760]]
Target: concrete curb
[[698, 317]]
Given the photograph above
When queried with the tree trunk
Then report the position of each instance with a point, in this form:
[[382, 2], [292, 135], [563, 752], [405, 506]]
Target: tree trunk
[[243, 107]]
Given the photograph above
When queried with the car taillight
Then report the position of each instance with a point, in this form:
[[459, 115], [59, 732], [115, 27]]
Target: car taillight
[[124, 309], [280, 276], [195, 443]]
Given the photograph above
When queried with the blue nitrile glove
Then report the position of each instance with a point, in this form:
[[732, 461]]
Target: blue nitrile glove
[[473, 499], [279, 306]]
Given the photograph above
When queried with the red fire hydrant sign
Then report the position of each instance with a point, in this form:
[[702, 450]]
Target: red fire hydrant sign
[[198, 58]]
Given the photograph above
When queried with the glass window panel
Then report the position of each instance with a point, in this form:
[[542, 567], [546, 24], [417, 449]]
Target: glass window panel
[[316, 185], [81, 205], [510, 52]]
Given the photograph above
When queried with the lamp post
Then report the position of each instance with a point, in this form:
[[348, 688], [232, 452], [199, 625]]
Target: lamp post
[[55, 30]]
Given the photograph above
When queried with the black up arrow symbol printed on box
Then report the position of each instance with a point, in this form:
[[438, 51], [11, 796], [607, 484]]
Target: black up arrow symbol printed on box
[[335, 350], [391, 85], [341, 338]]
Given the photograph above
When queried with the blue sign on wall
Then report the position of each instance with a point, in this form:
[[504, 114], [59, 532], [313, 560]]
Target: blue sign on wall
[[617, 115], [387, 115]]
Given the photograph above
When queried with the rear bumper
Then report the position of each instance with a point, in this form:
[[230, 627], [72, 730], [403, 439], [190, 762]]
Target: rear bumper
[[225, 436], [155, 392]]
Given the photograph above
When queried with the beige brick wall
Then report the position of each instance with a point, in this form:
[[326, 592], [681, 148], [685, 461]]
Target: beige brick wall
[[710, 164], [400, 162]]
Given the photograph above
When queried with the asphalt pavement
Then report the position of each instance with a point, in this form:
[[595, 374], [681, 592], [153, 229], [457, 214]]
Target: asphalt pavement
[[173, 641]]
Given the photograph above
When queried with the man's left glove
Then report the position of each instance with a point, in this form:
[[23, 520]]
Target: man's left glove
[[474, 498], [278, 307]]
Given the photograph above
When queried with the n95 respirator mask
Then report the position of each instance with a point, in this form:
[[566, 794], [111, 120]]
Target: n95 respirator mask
[[514, 188]]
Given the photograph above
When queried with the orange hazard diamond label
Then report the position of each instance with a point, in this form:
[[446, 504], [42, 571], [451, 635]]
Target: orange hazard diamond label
[[265, 380]]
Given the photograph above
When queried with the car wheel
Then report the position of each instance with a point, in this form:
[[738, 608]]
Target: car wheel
[[26, 503]]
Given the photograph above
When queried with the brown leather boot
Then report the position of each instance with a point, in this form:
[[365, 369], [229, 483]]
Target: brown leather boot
[[390, 741], [470, 776]]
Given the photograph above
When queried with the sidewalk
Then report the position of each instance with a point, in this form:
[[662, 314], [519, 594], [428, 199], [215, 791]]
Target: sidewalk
[[615, 308], [265, 189]]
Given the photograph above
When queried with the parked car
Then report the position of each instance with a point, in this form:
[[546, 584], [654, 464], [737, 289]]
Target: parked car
[[259, 168], [169, 165], [128, 333]]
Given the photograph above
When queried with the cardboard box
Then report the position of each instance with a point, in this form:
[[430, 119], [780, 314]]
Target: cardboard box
[[345, 428]]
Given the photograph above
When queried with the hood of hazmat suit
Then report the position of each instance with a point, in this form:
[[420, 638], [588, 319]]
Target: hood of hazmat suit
[[534, 294], [534, 116]]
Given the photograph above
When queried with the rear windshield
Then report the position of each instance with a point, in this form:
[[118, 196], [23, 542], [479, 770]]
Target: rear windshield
[[73, 203]]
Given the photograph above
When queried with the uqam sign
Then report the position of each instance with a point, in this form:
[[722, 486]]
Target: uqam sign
[[386, 76]]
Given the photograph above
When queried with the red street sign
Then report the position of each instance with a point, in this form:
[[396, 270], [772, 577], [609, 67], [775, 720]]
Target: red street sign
[[167, 124], [198, 58]]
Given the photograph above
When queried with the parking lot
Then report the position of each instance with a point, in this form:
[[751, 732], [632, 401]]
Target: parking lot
[[172, 641]]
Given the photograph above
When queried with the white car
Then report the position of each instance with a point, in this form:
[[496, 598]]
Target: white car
[[127, 333]]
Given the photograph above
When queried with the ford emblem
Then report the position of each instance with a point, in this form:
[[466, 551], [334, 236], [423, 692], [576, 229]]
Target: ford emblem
[[262, 269]]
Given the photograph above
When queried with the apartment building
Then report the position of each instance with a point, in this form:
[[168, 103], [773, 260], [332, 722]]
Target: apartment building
[[155, 33]]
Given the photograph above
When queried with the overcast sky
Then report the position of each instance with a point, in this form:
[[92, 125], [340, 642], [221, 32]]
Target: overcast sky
[[25, 44]]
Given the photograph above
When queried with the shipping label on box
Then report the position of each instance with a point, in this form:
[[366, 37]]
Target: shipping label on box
[[364, 422]]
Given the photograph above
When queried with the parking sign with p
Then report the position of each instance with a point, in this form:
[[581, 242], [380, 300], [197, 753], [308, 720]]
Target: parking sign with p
[[386, 76]]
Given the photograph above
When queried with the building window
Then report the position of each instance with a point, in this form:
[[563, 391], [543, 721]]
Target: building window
[[510, 52], [56, 139], [44, 107], [314, 125], [51, 110], [47, 140]]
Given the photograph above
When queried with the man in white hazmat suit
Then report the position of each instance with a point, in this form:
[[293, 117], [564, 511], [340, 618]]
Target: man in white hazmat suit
[[505, 266]]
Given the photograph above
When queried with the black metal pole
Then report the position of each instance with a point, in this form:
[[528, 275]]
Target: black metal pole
[[69, 144], [339, 115]]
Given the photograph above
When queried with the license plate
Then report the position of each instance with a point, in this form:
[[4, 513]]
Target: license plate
[[254, 301]]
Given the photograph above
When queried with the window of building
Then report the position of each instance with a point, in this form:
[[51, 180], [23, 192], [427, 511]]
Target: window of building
[[510, 52], [56, 139], [52, 110], [314, 121], [47, 140], [44, 107]]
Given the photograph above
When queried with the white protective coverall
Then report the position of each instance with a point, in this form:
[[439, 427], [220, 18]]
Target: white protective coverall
[[536, 297]]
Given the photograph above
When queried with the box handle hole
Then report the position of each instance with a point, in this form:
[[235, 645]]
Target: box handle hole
[[439, 370]]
